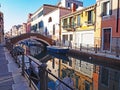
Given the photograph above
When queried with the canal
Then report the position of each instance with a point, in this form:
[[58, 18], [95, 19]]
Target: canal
[[78, 73]]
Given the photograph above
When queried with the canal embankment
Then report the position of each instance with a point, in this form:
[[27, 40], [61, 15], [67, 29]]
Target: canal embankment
[[99, 58]]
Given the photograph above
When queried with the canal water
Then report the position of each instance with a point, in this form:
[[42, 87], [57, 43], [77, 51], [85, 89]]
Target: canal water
[[78, 73], [83, 75]]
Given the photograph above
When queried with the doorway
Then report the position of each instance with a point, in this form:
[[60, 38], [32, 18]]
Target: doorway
[[106, 39]]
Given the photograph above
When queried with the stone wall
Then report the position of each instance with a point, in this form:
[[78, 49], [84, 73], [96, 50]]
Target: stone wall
[[115, 45]]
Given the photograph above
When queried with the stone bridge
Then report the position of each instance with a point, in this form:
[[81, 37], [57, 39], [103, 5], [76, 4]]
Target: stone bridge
[[36, 36]]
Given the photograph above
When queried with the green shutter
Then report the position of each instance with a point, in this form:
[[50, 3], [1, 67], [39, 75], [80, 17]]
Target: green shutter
[[102, 13], [110, 11]]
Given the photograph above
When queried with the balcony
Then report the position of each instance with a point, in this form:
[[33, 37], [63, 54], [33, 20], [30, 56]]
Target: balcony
[[68, 27]]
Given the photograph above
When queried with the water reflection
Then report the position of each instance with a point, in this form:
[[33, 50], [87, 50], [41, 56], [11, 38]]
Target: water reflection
[[84, 75]]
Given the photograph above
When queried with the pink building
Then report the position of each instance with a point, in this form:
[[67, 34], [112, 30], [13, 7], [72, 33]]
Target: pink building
[[108, 25], [28, 23]]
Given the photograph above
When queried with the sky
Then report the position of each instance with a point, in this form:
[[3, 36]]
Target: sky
[[16, 11]]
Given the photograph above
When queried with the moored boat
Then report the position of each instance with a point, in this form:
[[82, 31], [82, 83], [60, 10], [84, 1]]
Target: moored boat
[[58, 49]]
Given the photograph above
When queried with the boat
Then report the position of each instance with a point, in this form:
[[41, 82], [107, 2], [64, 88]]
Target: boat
[[58, 49]]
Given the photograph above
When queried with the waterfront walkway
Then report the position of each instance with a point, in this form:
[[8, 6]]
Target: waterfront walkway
[[10, 74]]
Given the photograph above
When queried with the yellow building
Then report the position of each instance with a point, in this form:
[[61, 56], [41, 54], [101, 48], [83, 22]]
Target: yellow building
[[1, 28], [78, 27]]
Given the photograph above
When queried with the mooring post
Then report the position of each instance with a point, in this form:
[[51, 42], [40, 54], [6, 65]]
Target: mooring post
[[96, 48]]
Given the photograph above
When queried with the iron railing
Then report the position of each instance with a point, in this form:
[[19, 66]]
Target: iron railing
[[88, 48]]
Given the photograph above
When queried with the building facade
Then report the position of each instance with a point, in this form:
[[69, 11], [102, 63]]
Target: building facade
[[22, 29], [68, 4], [1, 27], [18, 29], [28, 23], [46, 19], [78, 27], [37, 18], [52, 23], [107, 33]]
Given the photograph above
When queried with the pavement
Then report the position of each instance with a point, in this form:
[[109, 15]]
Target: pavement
[[10, 74]]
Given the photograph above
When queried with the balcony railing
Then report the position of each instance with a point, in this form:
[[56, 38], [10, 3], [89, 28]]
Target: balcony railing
[[69, 27]]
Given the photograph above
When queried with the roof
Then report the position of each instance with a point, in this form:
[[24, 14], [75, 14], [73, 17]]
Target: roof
[[84, 9]]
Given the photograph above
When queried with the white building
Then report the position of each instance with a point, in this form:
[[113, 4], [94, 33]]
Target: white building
[[46, 19], [52, 23]]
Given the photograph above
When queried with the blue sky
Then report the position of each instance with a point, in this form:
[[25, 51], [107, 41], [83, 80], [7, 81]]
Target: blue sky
[[16, 11]]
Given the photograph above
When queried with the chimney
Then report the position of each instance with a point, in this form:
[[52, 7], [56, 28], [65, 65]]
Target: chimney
[[73, 7], [29, 15]]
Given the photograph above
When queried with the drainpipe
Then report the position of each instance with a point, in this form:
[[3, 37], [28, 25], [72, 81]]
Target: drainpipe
[[117, 29], [117, 25]]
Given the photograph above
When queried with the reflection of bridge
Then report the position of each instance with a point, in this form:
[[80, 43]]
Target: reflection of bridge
[[12, 41]]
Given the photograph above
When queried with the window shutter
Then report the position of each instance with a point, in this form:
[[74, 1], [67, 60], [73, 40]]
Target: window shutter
[[102, 12], [110, 11]]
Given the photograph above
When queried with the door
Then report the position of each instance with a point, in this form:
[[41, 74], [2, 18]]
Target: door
[[106, 39]]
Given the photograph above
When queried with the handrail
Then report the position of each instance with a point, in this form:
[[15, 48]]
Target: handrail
[[59, 80], [43, 72], [34, 60]]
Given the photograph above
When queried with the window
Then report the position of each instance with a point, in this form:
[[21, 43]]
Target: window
[[90, 17], [53, 29], [77, 82], [87, 85], [68, 5], [64, 23], [41, 24], [76, 6], [106, 8], [50, 19], [78, 20], [40, 14], [71, 37], [71, 22], [65, 37], [104, 76]]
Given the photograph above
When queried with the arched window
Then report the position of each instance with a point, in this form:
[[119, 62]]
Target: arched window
[[50, 19]]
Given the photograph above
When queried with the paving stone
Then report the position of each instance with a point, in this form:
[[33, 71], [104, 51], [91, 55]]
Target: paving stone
[[10, 74]]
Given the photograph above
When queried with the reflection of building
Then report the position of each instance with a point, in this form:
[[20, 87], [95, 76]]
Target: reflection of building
[[107, 33], [53, 67], [78, 27], [80, 71], [1, 27], [109, 79]]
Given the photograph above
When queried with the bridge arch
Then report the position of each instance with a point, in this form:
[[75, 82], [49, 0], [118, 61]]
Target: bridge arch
[[36, 36]]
